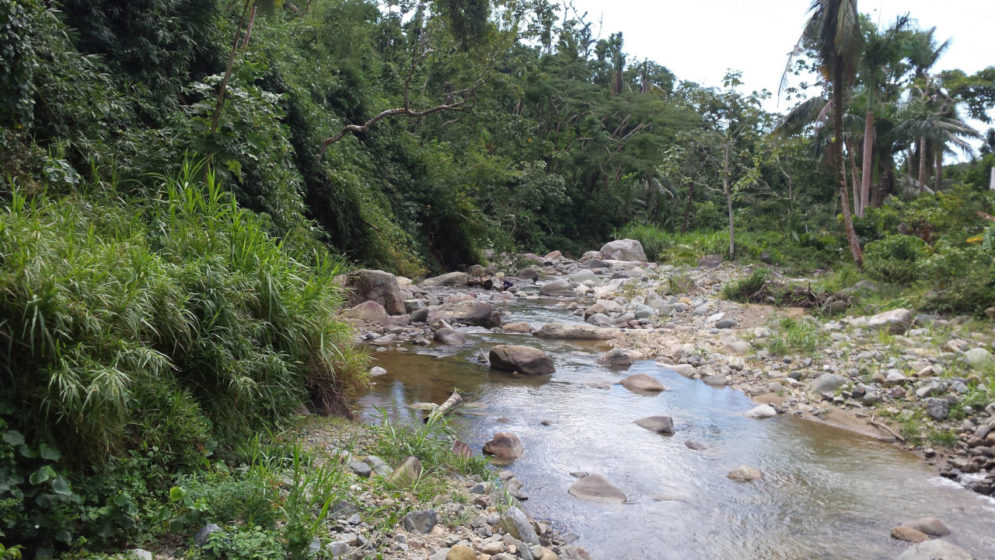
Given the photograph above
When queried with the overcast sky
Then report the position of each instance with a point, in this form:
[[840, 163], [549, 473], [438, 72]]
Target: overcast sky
[[699, 40]]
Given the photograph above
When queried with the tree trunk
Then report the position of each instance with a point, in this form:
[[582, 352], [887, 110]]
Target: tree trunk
[[939, 168], [220, 104], [922, 164], [687, 209], [855, 183], [728, 192], [837, 147], [868, 162]]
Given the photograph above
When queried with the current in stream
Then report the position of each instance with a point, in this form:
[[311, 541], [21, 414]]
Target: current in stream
[[827, 493]]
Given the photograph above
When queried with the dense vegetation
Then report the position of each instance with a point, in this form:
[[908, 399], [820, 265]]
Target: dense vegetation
[[183, 179]]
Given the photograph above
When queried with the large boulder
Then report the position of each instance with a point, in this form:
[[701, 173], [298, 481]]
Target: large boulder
[[524, 359], [643, 383], [624, 250], [557, 288], [896, 321], [575, 332], [449, 337], [468, 312], [615, 358], [446, 280], [505, 447], [596, 489], [378, 286], [367, 312], [935, 550], [515, 523], [406, 473], [827, 382]]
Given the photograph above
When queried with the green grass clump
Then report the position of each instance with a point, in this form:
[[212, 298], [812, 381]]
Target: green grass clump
[[172, 325], [797, 337]]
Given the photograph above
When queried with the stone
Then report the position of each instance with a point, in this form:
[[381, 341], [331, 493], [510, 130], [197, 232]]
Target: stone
[[557, 288], [695, 445], [623, 250], [600, 320], [140, 554], [468, 312], [931, 526], [977, 357], [937, 408], [595, 488], [745, 474], [505, 446], [419, 315], [517, 328], [737, 347], [439, 554], [524, 359], [604, 307], [581, 276], [528, 274], [360, 469], [827, 382], [206, 531], [908, 534], [338, 548], [412, 305], [726, 324], [615, 358], [377, 371], [574, 332], [761, 411], [460, 552], [406, 473], [717, 380], [421, 521], [378, 286], [449, 337], [379, 466], [368, 312], [446, 280], [659, 424], [573, 552], [516, 524], [935, 550], [896, 321], [641, 382], [687, 370]]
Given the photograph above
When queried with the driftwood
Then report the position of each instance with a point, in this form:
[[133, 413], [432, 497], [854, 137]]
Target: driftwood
[[881, 426], [451, 404]]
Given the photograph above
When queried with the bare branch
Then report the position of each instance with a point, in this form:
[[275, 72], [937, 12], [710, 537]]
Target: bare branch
[[360, 128]]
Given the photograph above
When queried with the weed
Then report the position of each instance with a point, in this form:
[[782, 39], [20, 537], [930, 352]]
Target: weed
[[802, 336]]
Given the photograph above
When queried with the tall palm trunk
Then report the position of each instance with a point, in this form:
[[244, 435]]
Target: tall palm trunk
[[728, 192], [868, 161], [837, 147], [922, 164], [939, 168], [858, 210]]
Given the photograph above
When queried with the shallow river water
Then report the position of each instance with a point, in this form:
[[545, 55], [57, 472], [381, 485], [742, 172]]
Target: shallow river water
[[827, 493]]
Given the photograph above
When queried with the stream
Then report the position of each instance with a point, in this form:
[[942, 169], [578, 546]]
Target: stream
[[827, 493]]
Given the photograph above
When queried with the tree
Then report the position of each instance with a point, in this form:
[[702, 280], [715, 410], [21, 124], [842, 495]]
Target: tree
[[833, 31]]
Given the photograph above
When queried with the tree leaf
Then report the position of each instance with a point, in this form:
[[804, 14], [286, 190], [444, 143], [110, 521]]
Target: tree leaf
[[42, 475], [49, 453], [13, 437], [61, 486]]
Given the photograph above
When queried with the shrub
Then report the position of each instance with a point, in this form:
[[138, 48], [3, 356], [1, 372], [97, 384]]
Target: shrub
[[895, 258]]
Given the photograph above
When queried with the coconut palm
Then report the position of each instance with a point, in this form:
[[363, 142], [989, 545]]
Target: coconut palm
[[833, 32], [933, 120]]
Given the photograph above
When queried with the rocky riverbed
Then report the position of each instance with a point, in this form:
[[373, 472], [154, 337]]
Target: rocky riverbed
[[918, 380]]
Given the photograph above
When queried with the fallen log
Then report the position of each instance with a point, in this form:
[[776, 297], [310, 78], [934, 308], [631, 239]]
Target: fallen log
[[451, 403]]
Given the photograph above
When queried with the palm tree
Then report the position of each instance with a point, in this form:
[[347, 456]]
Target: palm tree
[[833, 31], [922, 53], [926, 121]]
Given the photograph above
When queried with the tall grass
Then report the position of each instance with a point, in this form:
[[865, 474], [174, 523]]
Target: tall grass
[[173, 322]]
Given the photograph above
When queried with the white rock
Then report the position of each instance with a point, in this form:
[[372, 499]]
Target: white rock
[[761, 411]]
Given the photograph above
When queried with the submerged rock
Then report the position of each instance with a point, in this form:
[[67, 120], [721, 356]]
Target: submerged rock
[[616, 358], [745, 474], [659, 424], [524, 359], [929, 525], [935, 550], [642, 383], [908, 534], [596, 489], [505, 446], [761, 411]]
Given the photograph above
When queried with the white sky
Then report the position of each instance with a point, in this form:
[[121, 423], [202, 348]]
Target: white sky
[[699, 40]]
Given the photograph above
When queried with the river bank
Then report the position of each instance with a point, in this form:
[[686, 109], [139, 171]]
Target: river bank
[[677, 318]]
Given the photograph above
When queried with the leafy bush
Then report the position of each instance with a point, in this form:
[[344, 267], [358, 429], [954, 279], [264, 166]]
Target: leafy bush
[[895, 258]]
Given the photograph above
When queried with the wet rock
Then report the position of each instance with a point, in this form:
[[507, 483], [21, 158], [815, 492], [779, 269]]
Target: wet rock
[[623, 250], [687, 370], [896, 321], [504, 446], [421, 521], [449, 337], [378, 286], [572, 552], [695, 445], [419, 315], [557, 288], [931, 526], [600, 320], [574, 332], [603, 307], [745, 474], [827, 382], [524, 359], [908, 534], [761, 411], [716, 380], [596, 489], [615, 358], [517, 328], [516, 524], [469, 312], [406, 473], [377, 371], [659, 424], [641, 382], [368, 312], [446, 280], [935, 550]]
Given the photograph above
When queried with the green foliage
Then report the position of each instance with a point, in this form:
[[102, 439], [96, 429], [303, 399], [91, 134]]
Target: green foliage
[[895, 258], [248, 542], [18, 62], [801, 336], [430, 443]]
